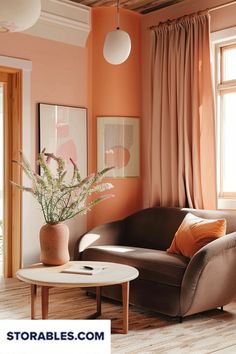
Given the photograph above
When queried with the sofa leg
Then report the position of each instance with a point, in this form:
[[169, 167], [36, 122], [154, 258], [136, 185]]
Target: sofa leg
[[180, 319], [222, 308]]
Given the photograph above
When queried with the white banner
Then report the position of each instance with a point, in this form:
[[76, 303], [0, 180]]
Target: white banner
[[55, 336]]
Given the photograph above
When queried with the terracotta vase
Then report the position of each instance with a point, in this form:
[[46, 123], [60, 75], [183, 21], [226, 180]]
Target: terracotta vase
[[54, 241]]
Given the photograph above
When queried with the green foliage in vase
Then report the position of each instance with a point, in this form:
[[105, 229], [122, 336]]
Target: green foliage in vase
[[61, 200]]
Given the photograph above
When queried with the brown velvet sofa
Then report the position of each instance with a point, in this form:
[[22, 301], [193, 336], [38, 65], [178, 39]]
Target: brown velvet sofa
[[168, 283]]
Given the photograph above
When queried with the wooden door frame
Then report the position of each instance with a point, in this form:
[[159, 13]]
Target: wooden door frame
[[12, 172]]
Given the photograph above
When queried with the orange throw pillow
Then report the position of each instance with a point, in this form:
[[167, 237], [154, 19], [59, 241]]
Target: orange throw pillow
[[194, 233]]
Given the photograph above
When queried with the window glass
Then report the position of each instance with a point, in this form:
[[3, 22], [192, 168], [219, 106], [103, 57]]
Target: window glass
[[229, 63], [229, 142]]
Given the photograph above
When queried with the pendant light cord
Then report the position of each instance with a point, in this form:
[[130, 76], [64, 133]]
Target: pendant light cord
[[118, 14]]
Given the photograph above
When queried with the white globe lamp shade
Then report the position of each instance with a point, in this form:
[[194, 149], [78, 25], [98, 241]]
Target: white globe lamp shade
[[117, 47], [18, 15]]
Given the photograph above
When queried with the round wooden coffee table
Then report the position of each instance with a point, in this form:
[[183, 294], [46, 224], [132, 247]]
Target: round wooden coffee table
[[47, 277]]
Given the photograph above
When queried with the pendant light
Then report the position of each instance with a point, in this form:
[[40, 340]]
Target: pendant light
[[117, 45], [18, 15]]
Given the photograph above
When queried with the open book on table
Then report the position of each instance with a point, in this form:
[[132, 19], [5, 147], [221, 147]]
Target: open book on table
[[85, 269]]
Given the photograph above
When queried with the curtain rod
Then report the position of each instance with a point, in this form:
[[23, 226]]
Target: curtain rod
[[210, 9], [221, 6]]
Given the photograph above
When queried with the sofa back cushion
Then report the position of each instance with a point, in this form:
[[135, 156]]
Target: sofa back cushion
[[155, 227], [228, 215]]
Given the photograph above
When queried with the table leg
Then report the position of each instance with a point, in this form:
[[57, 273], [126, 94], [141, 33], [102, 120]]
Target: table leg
[[125, 300], [98, 298], [33, 300], [45, 296]]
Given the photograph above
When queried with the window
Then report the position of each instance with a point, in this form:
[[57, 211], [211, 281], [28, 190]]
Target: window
[[226, 122]]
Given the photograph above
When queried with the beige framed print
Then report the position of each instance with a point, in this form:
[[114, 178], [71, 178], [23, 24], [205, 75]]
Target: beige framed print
[[63, 131], [118, 145]]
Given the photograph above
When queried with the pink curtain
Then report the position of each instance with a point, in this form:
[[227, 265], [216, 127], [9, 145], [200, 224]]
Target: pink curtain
[[182, 156]]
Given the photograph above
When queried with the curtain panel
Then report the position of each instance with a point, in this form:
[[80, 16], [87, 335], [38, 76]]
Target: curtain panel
[[182, 156]]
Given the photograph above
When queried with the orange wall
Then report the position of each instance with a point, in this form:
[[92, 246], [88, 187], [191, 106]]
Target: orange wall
[[114, 90], [220, 19], [59, 71], [59, 75], [71, 75]]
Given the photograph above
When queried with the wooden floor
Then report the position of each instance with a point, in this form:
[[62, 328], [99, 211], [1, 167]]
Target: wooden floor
[[211, 332]]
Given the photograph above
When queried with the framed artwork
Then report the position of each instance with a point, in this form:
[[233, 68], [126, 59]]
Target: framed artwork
[[63, 131], [118, 146]]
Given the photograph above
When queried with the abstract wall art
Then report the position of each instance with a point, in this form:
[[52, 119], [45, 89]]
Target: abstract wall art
[[118, 145], [63, 131]]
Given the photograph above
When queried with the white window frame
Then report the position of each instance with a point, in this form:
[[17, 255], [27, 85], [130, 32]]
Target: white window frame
[[221, 39]]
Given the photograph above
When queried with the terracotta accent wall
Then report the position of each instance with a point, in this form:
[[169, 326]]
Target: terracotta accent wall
[[220, 19], [115, 90], [70, 75]]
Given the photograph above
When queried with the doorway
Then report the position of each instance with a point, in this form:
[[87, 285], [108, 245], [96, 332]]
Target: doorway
[[10, 198]]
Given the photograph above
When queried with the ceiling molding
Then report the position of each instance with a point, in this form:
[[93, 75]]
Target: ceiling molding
[[63, 21]]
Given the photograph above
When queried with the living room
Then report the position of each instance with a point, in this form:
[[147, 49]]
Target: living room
[[59, 62]]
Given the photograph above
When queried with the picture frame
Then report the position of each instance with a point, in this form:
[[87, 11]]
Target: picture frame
[[63, 131], [118, 145]]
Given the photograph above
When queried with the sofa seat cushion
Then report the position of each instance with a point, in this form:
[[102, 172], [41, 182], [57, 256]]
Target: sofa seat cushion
[[154, 265]]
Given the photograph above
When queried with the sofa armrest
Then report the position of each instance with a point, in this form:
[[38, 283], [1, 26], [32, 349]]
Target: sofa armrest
[[106, 234], [209, 280]]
